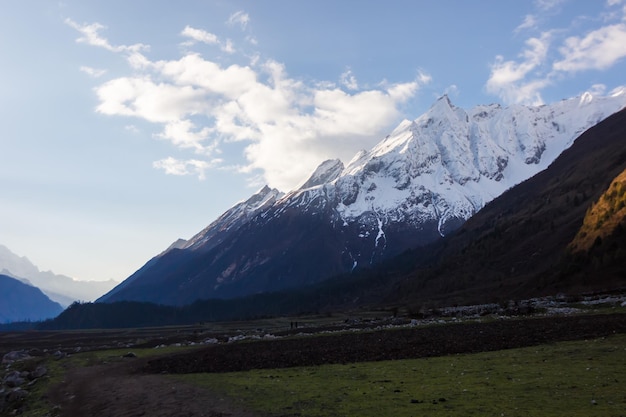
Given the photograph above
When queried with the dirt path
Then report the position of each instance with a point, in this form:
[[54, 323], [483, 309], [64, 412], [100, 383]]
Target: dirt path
[[116, 390]]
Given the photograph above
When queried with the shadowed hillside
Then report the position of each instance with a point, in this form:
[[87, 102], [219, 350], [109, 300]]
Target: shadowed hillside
[[23, 302], [531, 241], [517, 246]]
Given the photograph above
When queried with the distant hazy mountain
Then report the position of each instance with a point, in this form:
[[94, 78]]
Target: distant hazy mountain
[[420, 183], [23, 302], [59, 288]]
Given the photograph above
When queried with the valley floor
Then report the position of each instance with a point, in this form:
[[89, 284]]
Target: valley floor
[[144, 386]]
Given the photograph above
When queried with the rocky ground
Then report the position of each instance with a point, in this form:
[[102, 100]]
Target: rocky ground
[[402, 343]]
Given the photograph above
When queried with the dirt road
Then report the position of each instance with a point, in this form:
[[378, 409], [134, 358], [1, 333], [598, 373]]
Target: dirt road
[[119, 391]]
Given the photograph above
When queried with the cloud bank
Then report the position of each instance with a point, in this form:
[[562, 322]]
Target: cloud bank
[[552, 54], [286, 126]]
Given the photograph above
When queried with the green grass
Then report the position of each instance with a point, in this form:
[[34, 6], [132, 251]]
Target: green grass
[[116, 355], [584, 378], [36, 403]]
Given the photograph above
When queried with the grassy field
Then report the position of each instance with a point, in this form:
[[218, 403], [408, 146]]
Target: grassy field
[[584, 378]]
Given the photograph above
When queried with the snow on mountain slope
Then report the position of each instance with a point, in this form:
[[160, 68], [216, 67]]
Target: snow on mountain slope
[[422, 181], [327, 172], [234, 218], [212, 235], [448, 163]]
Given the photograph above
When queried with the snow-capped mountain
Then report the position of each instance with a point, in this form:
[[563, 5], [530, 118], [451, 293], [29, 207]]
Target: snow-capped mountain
[[445, 165], [233, 219], [212, 235], [421, 182], [60, 288]]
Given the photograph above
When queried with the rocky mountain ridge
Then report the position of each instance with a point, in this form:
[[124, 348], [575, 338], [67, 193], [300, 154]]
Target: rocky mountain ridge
[[422, 181]]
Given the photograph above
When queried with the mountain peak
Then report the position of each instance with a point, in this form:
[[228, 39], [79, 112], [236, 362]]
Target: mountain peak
[[442, 111], [179, 244], [445, 98], [260, 196], [444, 101], [326, 172], [231, 220], [421, 182]]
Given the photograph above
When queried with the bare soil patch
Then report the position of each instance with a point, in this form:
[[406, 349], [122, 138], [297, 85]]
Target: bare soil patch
[[390, 344], [119, 391]]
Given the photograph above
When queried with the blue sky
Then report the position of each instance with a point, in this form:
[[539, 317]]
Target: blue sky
[[129, 124]]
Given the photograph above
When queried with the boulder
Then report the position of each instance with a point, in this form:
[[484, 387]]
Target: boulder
[[13, 379], [38, 372], [16, 396], [59, 355], [15, 356]]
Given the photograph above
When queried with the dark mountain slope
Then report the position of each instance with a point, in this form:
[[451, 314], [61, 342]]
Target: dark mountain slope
[[22, 302], [315, 245], [517, 245], [419, 183], [524, 244]]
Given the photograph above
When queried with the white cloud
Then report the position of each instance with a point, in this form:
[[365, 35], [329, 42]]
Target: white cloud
[[143, 98], [228, 47], [423, 78], [173, 166], [403, 91], [522, 80], [348, 80], [132, 129], [242, 18], [599, 49], [509, 79], [530, 22], [204, 107], [452, 90], [200, 35], [597, 90], [91, 36], [184, 134], [545, 5], [340, 113], [193, 70], [93, 72]]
